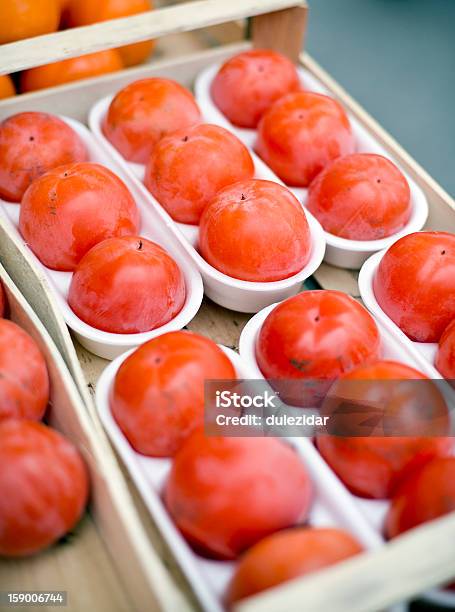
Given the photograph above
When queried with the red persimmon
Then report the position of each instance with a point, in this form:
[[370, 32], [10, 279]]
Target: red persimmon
[[311, 339], [250, 82], [43, 486], [127, 285], [24, 381], [445, 357], [255, 231], [32, 144], [226, 494], [415, 284], [67, 211], [145, 111], [412, 427], [289, 554], [360, 197], [427, 494], [188, 167], [158, 394], [302, 133]]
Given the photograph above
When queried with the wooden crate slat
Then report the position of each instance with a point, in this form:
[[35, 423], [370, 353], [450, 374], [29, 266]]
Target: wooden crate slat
[[411, 564], [114, 33], [282, 31]]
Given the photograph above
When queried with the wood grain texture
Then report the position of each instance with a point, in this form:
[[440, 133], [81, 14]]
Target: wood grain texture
[[330, 277], [282, 31], [152, 24], [80, 565]]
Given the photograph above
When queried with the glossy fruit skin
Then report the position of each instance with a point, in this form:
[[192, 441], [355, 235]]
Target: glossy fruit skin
[[376, 465], [24, 381], [289, 554], [27, 18], [427, 494], [43, 484], [158, 395], [314, 336], [7, 88], [85, 12], [145, 111], [225, 494], [68, 210], [73, 69], [415, 284], [188, 168], [249, 83], [127, 285], [362, 196], [256, 231], [31, 144], [301, 134], [445, 357]]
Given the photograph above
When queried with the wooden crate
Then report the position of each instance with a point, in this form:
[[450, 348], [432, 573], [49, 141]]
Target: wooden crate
[[404, 567], [107, 564]]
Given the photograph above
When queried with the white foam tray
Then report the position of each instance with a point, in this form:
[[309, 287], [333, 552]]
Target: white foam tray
[[153, 227], [424, 352], [239, 295], [333, 505], [340, 252], [373, 511]]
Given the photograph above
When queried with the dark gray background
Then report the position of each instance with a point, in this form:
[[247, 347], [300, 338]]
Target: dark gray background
[[397, 58]]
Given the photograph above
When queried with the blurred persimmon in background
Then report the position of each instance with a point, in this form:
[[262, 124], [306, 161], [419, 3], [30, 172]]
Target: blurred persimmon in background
[[7, 88], [85, 12], [26, 18], [72, 69]]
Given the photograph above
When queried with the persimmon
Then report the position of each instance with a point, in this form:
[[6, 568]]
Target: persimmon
[[24, 381], [414, 284], [426, 495], [310, 339], [247, 85], [412, 427], [31, 144], [7, 88], [73, 69], [127, 285], [255, 230], [158, 396], [85, 12], [225, 494], [27, 18], [301, 134], [44, 487], [68, 210], [188, 168], [144, 112], [445, 357], [362, 196], [289, 554]]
